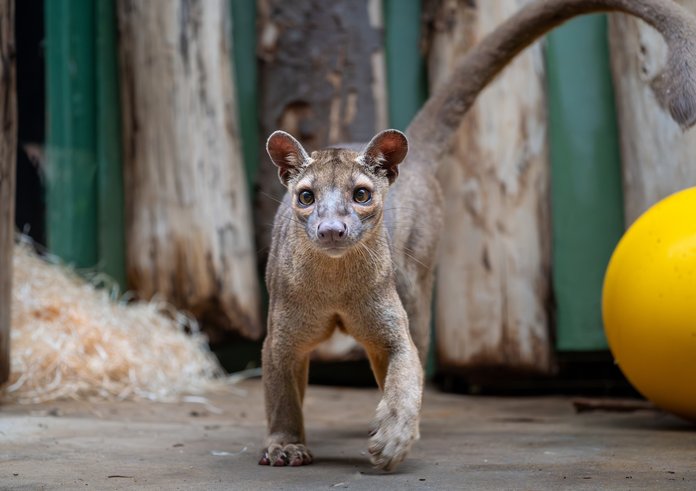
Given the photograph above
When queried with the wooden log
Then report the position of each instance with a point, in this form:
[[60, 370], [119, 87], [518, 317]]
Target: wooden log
[[493, 277], [8, 154], [322, 79], [188, 222], [657, 157]]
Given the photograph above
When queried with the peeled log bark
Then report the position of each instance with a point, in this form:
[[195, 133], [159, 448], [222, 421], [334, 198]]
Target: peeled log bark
[[8, 162], [188, 221], [493, 277], [658, 157], [322, 79]]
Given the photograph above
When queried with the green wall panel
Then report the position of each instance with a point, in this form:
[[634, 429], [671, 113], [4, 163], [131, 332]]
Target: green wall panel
[[407, 86], [85, 209], [587, 202], [71, 167], [111, 227], [246, 80]]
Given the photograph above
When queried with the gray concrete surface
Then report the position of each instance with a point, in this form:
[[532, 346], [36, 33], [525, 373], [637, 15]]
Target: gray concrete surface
[[466, 443]]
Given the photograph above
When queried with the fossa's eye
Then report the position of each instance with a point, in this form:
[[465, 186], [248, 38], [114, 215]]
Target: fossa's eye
[[362, 195], [305, 198]]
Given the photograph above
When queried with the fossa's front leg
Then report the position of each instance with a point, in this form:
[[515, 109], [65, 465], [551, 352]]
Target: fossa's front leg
[[285, 368], [397, 368]]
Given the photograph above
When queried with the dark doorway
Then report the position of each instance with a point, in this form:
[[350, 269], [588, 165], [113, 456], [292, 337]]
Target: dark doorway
[[30, 204]]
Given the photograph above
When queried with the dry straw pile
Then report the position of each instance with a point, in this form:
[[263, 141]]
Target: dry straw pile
[[71, 340]]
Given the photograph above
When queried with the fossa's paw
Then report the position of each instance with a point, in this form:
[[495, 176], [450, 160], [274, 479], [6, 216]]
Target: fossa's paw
[[393, 434], [293, 454]]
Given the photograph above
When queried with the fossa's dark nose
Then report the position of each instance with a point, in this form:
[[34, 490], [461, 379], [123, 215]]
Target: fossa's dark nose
[[331, 231]]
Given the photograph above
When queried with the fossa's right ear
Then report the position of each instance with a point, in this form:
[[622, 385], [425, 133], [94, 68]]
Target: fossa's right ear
[[287, 154], [385, 152]]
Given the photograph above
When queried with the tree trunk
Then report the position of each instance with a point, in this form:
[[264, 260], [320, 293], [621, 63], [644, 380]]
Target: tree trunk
[[657, 157], [322, 79], [8, 162], [493, 278], [187, 217]]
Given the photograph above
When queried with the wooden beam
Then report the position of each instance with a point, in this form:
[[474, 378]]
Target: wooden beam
[[8, 154]]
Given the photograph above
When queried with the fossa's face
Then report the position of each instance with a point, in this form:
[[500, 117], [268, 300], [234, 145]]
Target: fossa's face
[[337, 194], [338, 200]]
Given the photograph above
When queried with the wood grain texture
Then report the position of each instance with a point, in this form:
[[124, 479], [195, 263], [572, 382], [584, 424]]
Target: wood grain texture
[[8, 149], [658, 157], [493, 276], [322, 79], [188, 221]]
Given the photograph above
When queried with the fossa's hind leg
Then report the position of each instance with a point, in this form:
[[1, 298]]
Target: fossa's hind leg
[[416, 294]]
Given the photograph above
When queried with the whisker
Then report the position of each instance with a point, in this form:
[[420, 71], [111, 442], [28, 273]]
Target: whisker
[[407, 252], [271, 197]]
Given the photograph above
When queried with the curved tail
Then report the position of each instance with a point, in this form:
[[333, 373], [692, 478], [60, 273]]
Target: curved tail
[[434, 126]]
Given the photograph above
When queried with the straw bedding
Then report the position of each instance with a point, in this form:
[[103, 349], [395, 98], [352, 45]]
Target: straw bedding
[[72, 340]]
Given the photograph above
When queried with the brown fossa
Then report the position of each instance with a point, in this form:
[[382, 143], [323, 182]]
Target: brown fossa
[[355, 238]]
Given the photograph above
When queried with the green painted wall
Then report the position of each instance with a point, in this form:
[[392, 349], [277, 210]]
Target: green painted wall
[[71, 165], [84, 215], [111, 242], [246, 80], [407, 87], [587, 201]]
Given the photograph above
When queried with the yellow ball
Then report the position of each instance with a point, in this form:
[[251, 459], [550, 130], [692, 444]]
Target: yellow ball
[[649, 304]]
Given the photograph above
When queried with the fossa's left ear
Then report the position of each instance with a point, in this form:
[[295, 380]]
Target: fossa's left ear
[[386, 151]]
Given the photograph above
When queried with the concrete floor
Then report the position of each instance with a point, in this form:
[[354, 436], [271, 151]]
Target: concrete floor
[[466, 443]]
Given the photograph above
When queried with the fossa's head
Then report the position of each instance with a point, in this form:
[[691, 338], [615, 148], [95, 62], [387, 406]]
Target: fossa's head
[[337, 194]]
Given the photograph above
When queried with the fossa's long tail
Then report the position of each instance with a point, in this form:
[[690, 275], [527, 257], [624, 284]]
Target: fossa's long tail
[[433, 128]]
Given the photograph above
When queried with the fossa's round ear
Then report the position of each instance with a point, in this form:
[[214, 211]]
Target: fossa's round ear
[[287, 154], [385, 152]]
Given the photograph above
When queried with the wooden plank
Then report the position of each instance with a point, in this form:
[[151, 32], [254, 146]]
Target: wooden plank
[[493, 275], [188, 223], [8, 158], [586, 182], [658, 157], [71, 165]]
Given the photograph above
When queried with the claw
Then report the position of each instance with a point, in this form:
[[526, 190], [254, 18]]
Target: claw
[[264, 459], [281, 461], [282, 455]]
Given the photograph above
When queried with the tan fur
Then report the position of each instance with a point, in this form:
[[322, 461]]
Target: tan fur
[[378, 288]]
